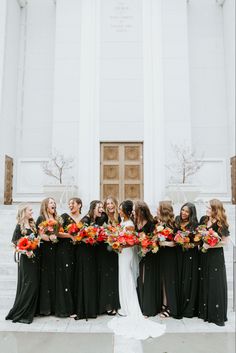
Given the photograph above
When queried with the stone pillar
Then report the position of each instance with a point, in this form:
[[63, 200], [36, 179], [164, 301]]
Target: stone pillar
[[75, 114], [88, 138], [154, 157], [3, 15], [167, 117]]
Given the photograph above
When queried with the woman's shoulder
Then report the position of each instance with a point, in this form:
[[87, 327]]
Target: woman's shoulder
[[16, 234], [39, 220], [65, 219], [149, 227], [86, 220]]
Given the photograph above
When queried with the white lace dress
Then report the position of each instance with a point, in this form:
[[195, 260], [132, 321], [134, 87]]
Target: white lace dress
[[133, 324]]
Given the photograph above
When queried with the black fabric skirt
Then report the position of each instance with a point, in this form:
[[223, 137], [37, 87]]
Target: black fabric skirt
[[213, 287], [25, 305]]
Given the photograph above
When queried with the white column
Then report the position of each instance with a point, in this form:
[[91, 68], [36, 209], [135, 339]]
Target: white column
[[154, 152], [176, 72], [3, 16], [75, 114], [66, 104], [88, 138]]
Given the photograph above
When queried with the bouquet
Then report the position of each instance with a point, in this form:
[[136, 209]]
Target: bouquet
[[87, 234], [183, 238], [201, 232], [147, 243], [74, 228], [27, 244], [208, 236], [164, 233], [50, 227], [119, 238], [102, 233]]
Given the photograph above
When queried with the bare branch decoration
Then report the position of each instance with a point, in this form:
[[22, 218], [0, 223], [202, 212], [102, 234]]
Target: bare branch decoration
[[186, 163], [56, 166]]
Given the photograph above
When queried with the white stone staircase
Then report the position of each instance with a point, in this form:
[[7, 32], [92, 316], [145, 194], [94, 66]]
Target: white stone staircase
[[8, 268]]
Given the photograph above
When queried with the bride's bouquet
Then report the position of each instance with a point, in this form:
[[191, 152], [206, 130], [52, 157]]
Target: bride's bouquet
[[119, 238]]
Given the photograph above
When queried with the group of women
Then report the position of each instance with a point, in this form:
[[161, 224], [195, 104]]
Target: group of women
[[84, 281]]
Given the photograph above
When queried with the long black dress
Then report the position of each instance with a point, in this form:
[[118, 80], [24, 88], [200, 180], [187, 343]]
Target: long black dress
[[47, 288], [65, 267], [213, 282], [149, 283], [188, 275], [25, 305], [169, 277], [85, 283], [107, 265]]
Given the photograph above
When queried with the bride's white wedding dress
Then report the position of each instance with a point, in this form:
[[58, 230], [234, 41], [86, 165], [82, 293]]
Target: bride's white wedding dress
[[132, 323]]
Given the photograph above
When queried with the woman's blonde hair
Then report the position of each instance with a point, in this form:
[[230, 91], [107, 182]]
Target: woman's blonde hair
[[166, 213], [44, 208], [116, 214], [218, 213], [21, 218]]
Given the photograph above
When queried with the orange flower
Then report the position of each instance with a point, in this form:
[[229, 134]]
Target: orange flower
[[115, 245]]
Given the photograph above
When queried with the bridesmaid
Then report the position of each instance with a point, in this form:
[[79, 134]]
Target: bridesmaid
[[213, 282], [108, 292], [25, 305], [168, 263], [149, 286], [188, 263], [47, 290], [86, 288], [65, 262]]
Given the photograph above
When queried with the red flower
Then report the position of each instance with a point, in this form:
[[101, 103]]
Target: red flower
[[212, 241], [23, 244], [72, 228]]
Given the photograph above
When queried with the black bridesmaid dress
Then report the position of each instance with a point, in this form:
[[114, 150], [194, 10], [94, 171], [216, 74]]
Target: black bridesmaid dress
[[188, 276], [213, 281], [169, 277], [107, 265], [25, 305], [85, 282], [65, 268], [47, 288], [149, 282]]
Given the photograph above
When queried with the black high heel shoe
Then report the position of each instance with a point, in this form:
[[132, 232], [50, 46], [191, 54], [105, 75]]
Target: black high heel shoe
[[78, 318]]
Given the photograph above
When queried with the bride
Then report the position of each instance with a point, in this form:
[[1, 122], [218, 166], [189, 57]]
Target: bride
[[131, 322]]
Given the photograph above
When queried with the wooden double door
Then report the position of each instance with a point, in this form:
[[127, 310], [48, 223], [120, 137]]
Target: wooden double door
[[121, 172]]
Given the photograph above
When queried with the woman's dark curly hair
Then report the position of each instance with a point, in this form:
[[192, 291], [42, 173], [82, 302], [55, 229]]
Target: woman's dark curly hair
[[127, 207], [192, 222]]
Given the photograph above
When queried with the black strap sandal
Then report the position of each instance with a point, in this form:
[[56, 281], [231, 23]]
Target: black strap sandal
[[165, 312], [111, 312]]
